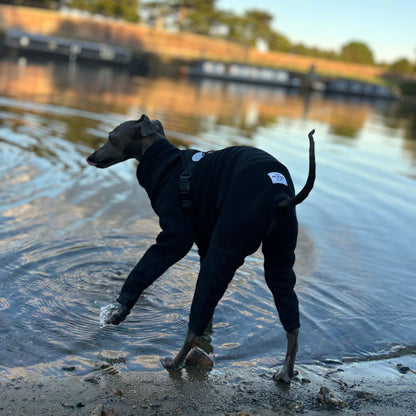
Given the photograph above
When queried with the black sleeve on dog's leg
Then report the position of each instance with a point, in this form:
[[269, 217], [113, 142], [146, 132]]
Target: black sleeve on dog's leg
[[158, 258], [172, 244]]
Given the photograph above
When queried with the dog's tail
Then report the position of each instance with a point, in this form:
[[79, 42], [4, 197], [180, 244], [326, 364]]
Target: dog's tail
[[301, 196]]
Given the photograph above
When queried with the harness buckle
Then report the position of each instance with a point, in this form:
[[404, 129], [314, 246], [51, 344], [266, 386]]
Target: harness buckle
[[184, 189]]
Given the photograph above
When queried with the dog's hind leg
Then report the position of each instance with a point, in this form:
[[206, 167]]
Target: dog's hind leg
[[279, 258], [287, 372], [173, 364], [228, 249], [245, 219], [217, 270]]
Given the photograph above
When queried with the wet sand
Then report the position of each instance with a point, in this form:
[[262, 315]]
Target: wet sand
[[382, 387]]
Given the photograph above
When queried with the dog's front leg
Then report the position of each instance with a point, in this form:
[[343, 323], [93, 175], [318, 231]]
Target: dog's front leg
[[173, 364], [287, 372]]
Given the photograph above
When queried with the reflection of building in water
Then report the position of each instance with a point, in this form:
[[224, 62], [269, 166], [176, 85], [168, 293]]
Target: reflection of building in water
[[102, 89]]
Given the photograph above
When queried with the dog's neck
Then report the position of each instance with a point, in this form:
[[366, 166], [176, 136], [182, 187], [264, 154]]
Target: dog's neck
[[158, 157], [145, 143]]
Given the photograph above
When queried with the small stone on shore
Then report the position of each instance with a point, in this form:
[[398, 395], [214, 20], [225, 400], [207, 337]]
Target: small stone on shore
[[198, 357], [328, 398], [101, 410]]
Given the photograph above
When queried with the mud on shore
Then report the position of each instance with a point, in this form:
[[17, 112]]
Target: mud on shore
[[382, 387]]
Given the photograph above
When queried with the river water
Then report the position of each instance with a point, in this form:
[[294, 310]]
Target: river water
[[70, 233]]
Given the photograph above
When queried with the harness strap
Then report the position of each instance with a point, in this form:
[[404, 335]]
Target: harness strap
[[189, 160]]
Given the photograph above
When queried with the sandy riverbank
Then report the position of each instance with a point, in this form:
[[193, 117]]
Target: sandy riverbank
[[363, 388]]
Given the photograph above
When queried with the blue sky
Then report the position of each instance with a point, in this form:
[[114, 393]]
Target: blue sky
[[387, 27]]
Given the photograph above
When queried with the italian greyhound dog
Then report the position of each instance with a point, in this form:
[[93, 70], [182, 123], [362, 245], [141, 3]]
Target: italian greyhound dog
[[229, 203]]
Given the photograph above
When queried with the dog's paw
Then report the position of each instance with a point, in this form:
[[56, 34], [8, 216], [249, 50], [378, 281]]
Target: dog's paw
[[284, 376], [169, 364], [114, 313]]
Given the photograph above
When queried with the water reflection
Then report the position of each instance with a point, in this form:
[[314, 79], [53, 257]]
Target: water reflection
[[69, 234], [196, 106]]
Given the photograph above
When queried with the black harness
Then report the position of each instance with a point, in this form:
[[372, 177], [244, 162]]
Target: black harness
[[189, 160]]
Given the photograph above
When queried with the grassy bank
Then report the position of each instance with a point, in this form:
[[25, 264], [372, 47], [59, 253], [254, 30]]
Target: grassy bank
[[167, 45]]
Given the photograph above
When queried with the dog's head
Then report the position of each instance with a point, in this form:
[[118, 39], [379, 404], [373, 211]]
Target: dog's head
[[128, 140]]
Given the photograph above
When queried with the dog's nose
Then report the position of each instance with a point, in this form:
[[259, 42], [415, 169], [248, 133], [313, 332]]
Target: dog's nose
[[90, 162]]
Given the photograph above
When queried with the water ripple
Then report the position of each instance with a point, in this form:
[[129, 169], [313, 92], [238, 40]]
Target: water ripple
[[70, 234]]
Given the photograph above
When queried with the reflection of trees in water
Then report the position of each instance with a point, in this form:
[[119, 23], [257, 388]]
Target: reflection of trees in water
[[347, 118], [186, 107], [406, 119], [402, 116]]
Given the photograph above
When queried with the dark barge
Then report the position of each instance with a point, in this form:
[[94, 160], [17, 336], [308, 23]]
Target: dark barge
[[73, 49], [256, 75]]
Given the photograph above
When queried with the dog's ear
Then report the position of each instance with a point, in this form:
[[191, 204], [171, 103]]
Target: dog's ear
[[147, 126]]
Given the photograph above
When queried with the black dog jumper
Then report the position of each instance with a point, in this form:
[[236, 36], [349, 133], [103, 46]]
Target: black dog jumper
[[234, 197]]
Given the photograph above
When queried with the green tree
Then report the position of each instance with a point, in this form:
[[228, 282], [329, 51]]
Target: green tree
[[235, 27], [402, 65], [198, 16], [158, 9], [278, 42], [47, 4], [202, 16], [253, 25], [257, 24], [127, 9], [357, 52], [124, 9], [300, 49]]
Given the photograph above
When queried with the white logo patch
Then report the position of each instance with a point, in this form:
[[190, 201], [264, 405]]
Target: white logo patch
[[198, 156], [277, 177]]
